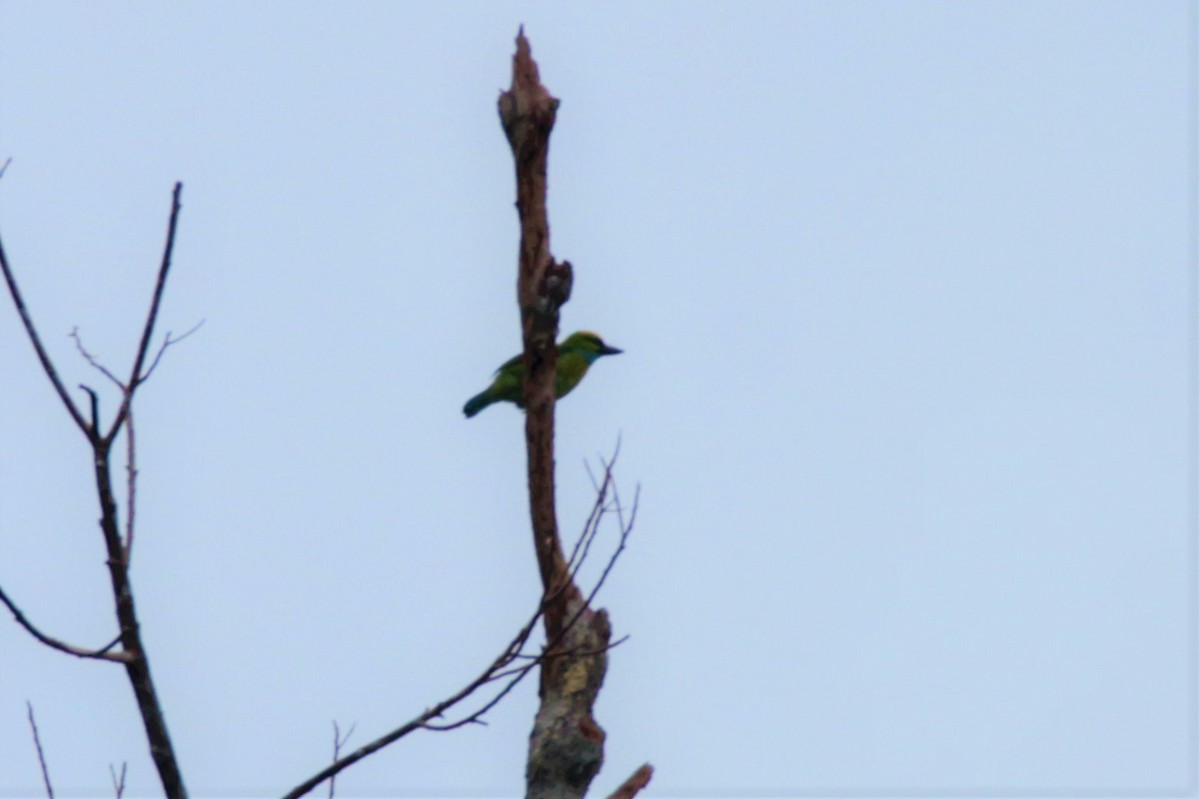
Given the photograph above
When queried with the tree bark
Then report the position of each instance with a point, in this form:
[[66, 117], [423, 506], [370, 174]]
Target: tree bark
[[566, 747]]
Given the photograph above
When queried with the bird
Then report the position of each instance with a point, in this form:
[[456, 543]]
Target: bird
[[576, 353]]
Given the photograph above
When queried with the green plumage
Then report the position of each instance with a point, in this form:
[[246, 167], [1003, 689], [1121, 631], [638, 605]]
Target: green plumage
[[576, 354]]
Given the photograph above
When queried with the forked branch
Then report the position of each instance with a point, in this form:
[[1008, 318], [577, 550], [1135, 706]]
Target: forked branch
[[136, 377], [133, 653], [510, 667], [103, 653]]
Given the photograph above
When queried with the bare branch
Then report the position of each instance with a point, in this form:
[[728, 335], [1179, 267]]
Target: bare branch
[[168, 341], [421, 721], [130, 485], [338, 742], [626, 529], [130, 443], [95, 406], [4, 168], [93, 654], [133, 653], [31, 331], [636, 781], [137, 667], [135, 376], [551, 651], [477, 717], [501, 668], [593, 519], [91, 359], [583, 544], [37, 742], [118, 782]]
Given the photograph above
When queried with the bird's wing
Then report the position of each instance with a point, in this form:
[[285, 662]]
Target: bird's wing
[[511, 362]]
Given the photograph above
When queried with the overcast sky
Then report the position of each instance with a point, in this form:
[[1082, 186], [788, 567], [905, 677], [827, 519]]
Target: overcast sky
[[907, 293]]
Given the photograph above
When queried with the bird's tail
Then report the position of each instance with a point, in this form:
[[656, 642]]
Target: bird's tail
[[477, 403]]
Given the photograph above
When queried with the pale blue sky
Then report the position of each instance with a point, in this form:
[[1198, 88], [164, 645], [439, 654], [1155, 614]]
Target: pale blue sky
[[907, 294]]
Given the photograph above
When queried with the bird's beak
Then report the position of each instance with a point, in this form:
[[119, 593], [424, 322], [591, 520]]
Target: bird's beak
[[607, 350]]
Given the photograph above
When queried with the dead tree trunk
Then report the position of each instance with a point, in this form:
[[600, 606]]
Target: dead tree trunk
[[566, 747]]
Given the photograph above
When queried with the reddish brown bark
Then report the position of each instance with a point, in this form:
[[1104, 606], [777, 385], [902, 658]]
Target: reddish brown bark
[[566, 748], [527, 111], [636, 781]]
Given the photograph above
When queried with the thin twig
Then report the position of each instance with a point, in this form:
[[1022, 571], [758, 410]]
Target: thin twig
[[133, 654], [423, 721], [91, 359], [118, 782], [37, 742], [47, 364], [624, 539], [94, 654], [476, 717], [338, 742], [601, 489], [135, 375], [545, 657], [594, 515], [499, 669], [168, 341], [590, 530], [415, 724], [130, 448]]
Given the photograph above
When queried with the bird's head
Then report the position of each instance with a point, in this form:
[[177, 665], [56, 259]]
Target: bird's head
[[587, 344]]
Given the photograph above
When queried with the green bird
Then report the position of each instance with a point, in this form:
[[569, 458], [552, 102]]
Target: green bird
[[575, 355]]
